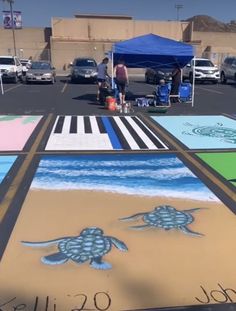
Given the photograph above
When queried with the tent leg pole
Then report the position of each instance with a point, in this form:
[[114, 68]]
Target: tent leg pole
[[193, 92], [112, 73], [1, 84]]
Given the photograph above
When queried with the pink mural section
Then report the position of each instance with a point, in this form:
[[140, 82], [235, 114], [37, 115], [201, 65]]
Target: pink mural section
[[16, 130]]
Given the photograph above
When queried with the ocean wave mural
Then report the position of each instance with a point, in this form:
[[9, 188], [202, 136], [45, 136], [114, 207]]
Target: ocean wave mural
[[142, 175]]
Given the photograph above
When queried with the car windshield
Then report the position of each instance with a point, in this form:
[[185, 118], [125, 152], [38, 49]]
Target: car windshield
[[203, 63], [85, 63], [40, 65], [6, 61]]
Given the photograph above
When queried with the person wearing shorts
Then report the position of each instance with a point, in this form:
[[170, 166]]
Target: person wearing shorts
[[102, 75], [121, 79]]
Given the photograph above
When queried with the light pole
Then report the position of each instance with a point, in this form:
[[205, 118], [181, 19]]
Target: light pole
[[12, 24], [178, 7]]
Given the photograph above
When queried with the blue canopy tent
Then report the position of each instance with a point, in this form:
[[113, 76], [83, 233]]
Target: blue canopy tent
[[152, 51]]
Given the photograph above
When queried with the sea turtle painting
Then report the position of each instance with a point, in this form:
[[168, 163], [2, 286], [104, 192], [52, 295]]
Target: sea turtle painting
[[165, 217], [91, 245], [219, 131]]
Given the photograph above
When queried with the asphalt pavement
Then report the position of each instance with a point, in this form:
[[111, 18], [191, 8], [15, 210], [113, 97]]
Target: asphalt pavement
[[65, 98]]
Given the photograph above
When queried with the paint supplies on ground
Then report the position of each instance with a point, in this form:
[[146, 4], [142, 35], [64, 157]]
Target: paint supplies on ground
[[144, 102]]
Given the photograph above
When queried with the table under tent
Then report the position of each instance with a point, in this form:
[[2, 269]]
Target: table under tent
[[152, 51]]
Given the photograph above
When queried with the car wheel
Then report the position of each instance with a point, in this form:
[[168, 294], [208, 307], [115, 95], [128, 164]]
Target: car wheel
[[15, 79], [72, 80], [222, 78]]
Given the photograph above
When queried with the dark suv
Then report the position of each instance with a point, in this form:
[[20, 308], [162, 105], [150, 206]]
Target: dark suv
[[155, 75], [83, 69], [228, 70]]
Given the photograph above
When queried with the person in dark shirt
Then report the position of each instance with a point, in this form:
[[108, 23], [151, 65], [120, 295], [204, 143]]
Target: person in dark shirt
[[176, 81], [121, 79]]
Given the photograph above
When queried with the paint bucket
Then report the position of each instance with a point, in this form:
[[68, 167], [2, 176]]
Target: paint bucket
[[111, 103]]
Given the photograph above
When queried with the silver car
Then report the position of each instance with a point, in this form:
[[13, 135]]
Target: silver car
[[228, 70], [83, 69], [41, 71]]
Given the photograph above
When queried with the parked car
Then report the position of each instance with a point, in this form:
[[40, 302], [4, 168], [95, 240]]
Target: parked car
[[83, 69], [10, 68], [228, 69], [26, 63], [205, 70], [41, 71], [155, 75]]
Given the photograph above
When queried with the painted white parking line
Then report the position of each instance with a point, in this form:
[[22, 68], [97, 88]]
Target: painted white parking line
[[209, 90], [64, 87], [12, 88]]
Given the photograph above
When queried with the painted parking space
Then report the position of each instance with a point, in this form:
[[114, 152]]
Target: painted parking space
[[201, 132], [15, 130], [102, 133], [222, 162], [117, 232], [6, 163]]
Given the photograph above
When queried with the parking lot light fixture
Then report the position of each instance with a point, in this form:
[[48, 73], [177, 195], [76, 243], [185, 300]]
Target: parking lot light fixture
[[178, 7]]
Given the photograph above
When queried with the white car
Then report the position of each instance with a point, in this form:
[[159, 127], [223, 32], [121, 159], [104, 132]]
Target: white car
[[205, 70], [11, 68]]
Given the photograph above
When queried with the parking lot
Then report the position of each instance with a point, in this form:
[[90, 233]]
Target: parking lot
[[66, 98], [76, 170]]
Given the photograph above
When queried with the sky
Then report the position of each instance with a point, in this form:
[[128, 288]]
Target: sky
[[38, 13]]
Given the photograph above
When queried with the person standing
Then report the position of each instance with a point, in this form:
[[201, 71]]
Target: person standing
[[121, 80], [176, 81], [102, 75]]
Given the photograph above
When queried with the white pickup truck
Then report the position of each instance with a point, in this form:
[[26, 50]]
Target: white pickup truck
[[205, 70], [10, 68]]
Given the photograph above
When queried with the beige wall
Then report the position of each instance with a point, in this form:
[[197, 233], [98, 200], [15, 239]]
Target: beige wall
[[215, 45], [92, 29], [225, 42], [29, 42], [114, 30], [170, 29], [93, 37], [64, 52]]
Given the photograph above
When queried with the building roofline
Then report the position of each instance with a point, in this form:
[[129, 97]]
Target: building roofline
[[103, 16]]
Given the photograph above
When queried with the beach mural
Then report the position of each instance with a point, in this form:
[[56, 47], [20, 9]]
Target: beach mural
[[201, 132], [102, 133], [117, 232], [15, 130], [223, 163], [6, 163], [165, 217], [91, 245]]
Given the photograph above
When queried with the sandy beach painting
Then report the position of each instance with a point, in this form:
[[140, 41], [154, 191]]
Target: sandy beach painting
[[15, 130], [117, 232]]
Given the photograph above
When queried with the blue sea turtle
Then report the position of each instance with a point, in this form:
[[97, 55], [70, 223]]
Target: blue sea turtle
[[225, 134], [91, 245], [166, 217]]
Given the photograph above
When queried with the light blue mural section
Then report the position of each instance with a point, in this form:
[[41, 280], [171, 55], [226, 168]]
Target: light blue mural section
[[201, 132], [5, 165], [161, 175]]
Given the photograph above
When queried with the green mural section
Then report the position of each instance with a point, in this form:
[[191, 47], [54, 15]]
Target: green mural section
[[223, 163]]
